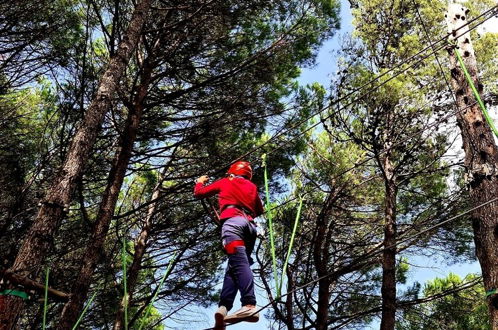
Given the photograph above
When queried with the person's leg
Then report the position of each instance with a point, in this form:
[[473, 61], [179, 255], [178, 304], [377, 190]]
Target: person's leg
[[229, 290], [239, 236], [231, 231], [245, 282], [236, 234], [244, 278]]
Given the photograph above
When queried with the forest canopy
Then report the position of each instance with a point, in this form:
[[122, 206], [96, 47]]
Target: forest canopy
[[109, 110]]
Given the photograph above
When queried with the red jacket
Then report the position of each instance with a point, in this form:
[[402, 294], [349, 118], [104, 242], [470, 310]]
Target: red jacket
[[233, 191]]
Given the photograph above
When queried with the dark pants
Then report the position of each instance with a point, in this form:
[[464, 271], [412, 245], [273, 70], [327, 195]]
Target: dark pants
[[238, 275]]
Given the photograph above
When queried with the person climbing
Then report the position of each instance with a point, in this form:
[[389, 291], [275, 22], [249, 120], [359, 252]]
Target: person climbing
[[239, 204]]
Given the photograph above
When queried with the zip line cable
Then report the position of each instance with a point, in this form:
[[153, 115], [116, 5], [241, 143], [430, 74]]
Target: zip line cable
[[283, 131], [451, 93], [434, 51], [357, 98], [413, 57], [432, 125], [356, 165], [427, 35], [416, 133], [366, 160], [408, 138], [373, 252], [477, 96]]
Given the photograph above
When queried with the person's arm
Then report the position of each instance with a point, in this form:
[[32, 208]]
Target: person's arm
[[201, 191]]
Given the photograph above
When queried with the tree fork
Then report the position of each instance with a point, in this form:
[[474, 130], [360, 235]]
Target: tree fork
[[481, 155], [59, 195]]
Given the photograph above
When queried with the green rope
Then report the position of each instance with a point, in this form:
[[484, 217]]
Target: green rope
[[16, 293], [476, 93], [45, 300], [298, 216], [125, 297], [149, 307], [270, 227], [84, 311]]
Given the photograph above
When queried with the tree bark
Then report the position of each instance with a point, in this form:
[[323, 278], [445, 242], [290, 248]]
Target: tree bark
[[321, 260], [57, 199], [289, 301], [388, 289], [115, 179], [481, 157]]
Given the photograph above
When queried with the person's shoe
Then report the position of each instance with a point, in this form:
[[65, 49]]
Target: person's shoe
[[247, 314], [219, 317]]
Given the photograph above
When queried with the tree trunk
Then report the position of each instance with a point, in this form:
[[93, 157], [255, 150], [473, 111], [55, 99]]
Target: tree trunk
[[58, 197], [388, 289], [481, 157], [106, 210], [289, 322], [321, 260], [323, 304]]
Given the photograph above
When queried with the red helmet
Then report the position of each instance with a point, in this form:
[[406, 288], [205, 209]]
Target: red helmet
[[241, 168]]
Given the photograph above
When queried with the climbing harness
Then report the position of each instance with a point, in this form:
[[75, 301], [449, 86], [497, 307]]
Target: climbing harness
[[243, 209], [231, 247]]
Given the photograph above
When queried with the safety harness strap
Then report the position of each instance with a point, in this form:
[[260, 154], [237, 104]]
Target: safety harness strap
[[230, 248], [235, 206]]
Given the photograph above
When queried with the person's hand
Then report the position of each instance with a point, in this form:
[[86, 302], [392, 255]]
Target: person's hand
[[203, 179]]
